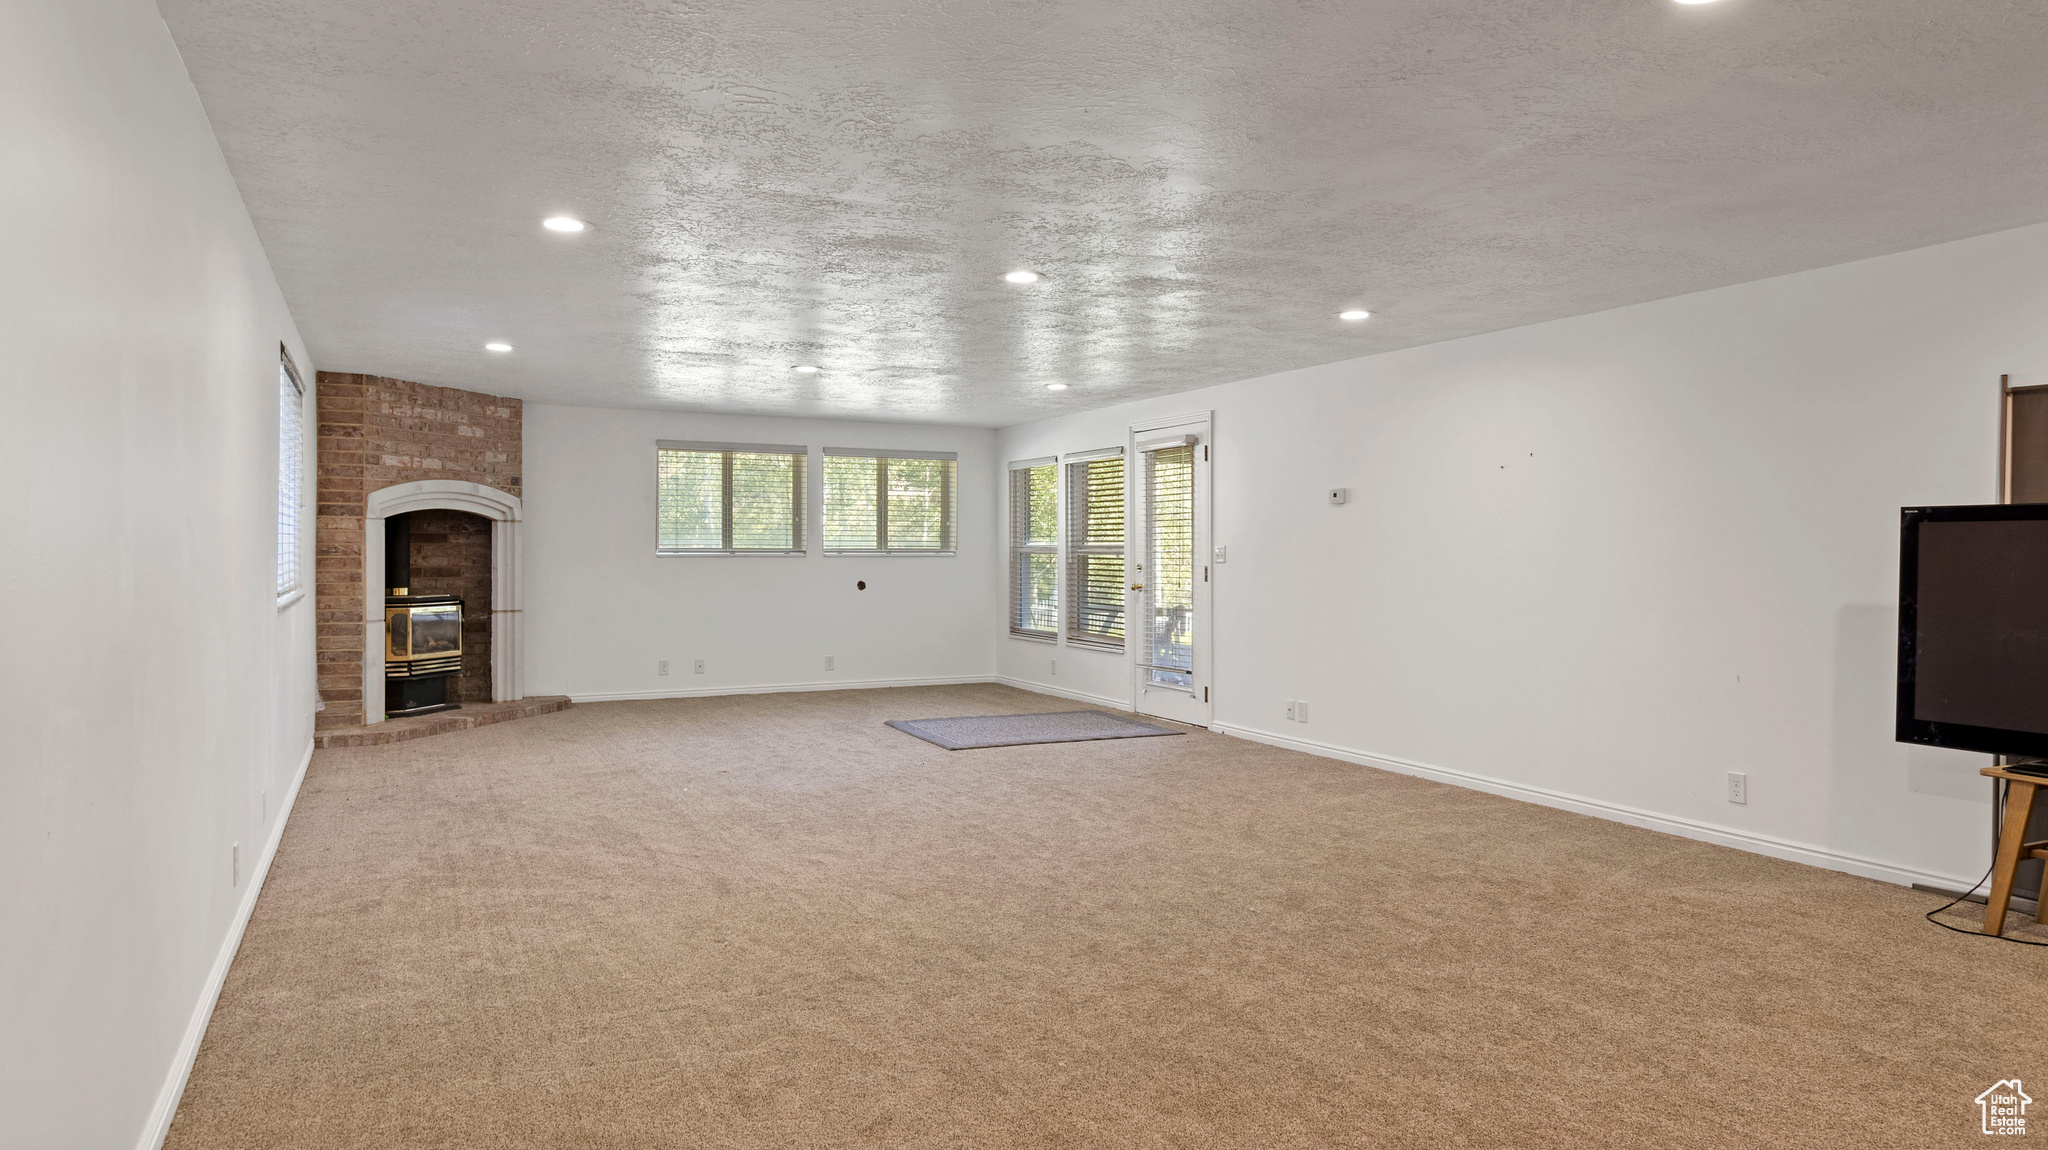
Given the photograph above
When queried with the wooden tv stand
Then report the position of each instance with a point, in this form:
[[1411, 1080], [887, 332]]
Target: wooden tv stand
[[2012, 846]]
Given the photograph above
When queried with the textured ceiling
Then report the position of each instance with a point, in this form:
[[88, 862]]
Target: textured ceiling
[[1205, 182]]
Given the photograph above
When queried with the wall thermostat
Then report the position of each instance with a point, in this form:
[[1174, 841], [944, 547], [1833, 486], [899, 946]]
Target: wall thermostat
[[1339, 496]]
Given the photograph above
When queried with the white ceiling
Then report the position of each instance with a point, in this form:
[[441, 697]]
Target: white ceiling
[[1206, 182]]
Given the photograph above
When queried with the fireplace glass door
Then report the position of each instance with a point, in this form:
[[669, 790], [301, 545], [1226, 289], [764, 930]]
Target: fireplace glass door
[[436, 630]]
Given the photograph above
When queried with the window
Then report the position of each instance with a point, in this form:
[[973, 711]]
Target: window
[[291, 473], [891, 502], [729, 499], [1034, 549], [1095, 549]]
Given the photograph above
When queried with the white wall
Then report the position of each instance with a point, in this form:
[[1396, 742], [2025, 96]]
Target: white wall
[[152, 690], [1617, 556], [602, 607]]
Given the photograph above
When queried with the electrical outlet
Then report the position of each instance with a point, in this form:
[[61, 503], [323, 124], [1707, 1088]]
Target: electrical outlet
[[700, 667], [1301, 710], [263, 806], [1055, 666], [235, 864], [1290, 710], [831, 663], [1222, 555], [1738, 787], [661, 666]]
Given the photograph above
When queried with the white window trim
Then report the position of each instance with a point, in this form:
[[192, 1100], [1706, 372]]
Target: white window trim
[[1072, 552], [882, 511], [297, 590], [801, 524], [1011, 598]]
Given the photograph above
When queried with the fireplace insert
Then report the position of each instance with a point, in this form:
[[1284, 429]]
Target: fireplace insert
[[422, 652]]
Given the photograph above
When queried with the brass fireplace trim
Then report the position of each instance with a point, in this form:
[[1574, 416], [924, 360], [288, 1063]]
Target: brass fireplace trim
[[392, 654]]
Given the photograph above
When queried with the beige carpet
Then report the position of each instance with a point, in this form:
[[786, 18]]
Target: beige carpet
[[770, 921]]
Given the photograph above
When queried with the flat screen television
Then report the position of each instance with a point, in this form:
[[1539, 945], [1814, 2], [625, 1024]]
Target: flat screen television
[[1973, 628]]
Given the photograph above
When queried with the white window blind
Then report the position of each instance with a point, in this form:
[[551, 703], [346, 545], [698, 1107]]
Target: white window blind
[[1166, 606], [291, 473], [1034, 549], [1095, 551], [729, 498], [891, 502]]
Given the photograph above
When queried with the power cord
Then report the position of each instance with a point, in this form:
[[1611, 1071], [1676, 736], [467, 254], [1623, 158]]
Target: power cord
[[1995, 834]]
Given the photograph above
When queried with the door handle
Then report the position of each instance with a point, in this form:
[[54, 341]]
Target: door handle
[[1137, 586]]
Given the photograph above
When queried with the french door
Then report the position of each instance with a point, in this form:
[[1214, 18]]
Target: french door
[[1169, 584]]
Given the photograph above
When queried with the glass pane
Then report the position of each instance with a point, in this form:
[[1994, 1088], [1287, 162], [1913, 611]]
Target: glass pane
[[436, 630], [1102, 502], [1099, 598], [1038, 608], [688, 490], [849, 504], [1045, 508], [1170, 584], [763, 502], [917, 511]]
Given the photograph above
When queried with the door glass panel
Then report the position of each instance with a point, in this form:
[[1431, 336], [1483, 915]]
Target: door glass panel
[[1169, 596]]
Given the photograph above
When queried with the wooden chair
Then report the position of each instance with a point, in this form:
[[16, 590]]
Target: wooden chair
[[2013, 847]]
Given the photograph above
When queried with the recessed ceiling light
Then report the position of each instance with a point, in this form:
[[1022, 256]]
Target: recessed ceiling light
[[564, 224], [1055, 387], [807, 368], [1021, 276], [494, 345], [1354, 315]]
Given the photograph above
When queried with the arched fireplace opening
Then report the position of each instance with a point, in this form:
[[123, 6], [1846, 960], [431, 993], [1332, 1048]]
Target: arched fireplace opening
[[437, 567]]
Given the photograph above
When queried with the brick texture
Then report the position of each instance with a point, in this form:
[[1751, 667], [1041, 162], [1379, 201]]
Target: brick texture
[[375, 433], [451, 555]]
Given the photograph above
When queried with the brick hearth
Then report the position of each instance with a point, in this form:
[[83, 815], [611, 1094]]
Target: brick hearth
[[440, 722]]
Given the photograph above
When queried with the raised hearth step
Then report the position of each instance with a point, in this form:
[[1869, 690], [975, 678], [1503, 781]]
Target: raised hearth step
[[440, 723]]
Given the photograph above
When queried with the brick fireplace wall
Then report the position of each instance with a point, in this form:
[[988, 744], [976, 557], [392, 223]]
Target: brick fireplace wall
[[376, 432]]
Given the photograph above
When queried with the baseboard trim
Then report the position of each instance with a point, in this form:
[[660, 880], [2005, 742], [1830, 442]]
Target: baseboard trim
[[1078, 696], [1770, 845], [772, 688], [159, 1126]]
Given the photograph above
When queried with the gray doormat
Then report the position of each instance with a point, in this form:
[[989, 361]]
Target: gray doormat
[[971, 731]]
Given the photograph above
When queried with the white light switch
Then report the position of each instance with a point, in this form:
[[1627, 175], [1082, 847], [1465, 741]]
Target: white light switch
[[1339, 496]]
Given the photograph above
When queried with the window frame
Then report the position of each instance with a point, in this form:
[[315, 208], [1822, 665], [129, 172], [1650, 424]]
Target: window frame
[[949, 506], [1022, 546], [799, 496], [1078, 550], [291, 472]]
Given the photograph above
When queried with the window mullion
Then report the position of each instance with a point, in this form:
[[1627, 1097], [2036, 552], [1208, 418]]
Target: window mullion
[[797, 518], [946, 540], [881, 504], [725, 500]]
